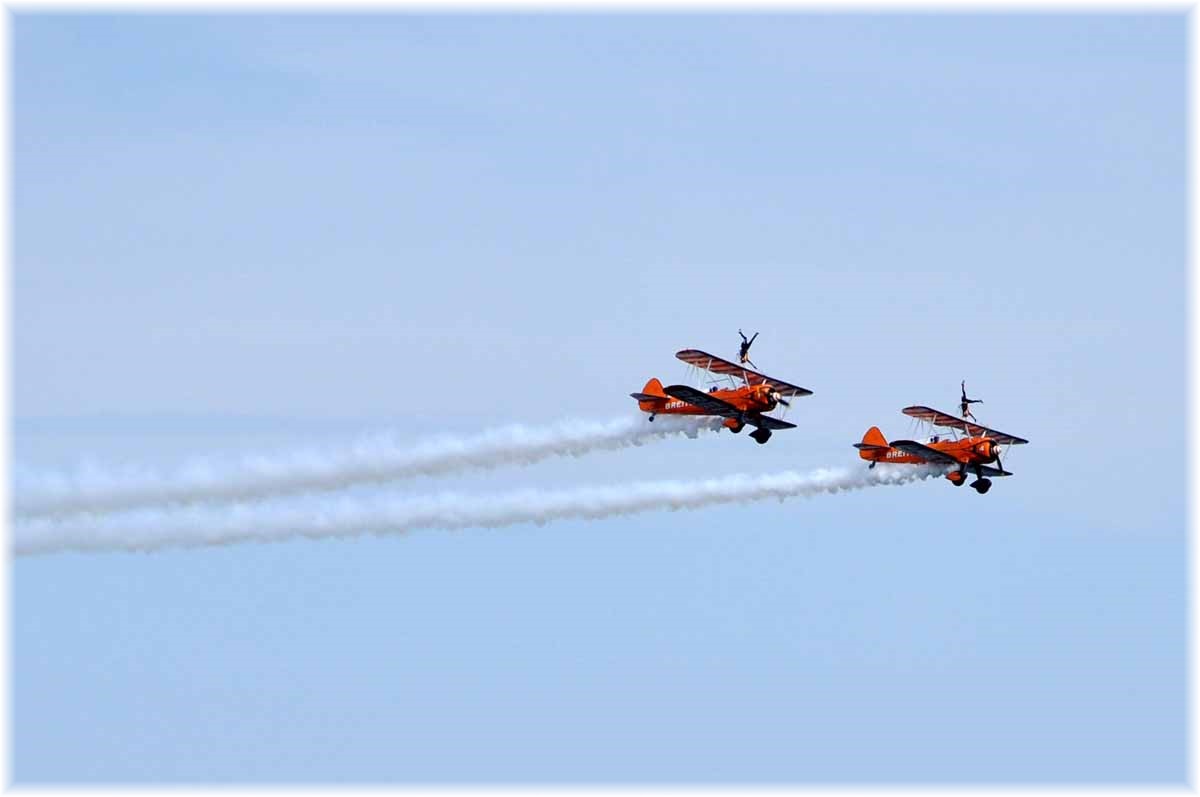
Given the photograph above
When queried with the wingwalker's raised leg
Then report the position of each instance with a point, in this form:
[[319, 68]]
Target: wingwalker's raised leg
[[761, 435]]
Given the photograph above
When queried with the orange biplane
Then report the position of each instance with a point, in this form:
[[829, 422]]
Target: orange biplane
[[978, 447], [740, 405]]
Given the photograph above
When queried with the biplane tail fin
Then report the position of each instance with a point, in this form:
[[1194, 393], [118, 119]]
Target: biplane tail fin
[[873, 440], [651, 394]]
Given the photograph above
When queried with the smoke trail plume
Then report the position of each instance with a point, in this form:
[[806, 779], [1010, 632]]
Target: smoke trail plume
[[371, 460], [148, 530]]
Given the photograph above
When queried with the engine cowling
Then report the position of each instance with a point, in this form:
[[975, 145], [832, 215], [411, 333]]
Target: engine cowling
[[987, 450]]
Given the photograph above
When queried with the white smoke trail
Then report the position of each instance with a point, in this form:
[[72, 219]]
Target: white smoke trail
[[148, 530], [371, 460]]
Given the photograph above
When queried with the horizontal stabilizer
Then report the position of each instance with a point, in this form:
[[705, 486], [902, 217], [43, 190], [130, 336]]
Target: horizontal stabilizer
[[650, 395], [873, 440]]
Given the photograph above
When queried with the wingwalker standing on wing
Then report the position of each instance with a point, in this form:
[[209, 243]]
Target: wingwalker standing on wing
[[739, 405], [965, 403], [744, 349], [978, 447]]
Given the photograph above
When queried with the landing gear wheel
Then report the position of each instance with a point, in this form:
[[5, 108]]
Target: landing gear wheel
[[982, 485], [738, 428], [956, 477], [652, 417], [761, 435]]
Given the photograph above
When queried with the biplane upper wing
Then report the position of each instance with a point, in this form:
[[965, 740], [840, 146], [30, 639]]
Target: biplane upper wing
[[924, 452], [714, 406], [939, 418], [709, 362]]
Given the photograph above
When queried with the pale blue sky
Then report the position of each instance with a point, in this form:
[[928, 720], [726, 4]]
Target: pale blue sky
[[247, 233]]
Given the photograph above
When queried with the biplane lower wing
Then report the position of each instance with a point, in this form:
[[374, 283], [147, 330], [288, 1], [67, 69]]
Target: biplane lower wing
[[939, 418], [936, 457], [710, 404], [767, 422], [924, 452], [715, 406]]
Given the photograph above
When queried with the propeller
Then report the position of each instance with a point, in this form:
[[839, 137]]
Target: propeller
[[778, 398]]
